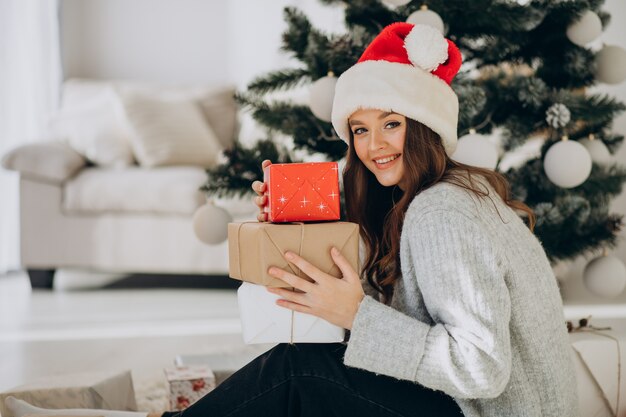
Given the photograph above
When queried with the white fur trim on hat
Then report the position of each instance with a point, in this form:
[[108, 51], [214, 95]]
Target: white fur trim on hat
[[426, 47], [401, 88]]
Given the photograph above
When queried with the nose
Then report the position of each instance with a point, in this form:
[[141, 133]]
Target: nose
[[377, 141]]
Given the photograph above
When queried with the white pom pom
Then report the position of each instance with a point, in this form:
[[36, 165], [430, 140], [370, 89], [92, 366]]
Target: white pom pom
[[426, 47]]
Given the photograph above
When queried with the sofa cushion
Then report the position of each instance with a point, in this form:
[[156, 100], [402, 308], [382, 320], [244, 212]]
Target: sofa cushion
[[95, 128], [51, 161], [217, 102], [169, 131], [165, 190]]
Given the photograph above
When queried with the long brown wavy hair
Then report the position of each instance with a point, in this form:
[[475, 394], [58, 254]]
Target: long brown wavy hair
[[380, 210]]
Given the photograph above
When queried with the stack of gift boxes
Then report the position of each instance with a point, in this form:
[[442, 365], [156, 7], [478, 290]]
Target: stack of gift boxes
[[303, 212]]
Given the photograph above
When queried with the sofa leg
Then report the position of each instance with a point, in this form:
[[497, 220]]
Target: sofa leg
[[41, 278]]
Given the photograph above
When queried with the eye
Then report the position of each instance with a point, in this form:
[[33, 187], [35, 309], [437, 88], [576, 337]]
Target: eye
[[391, 125], [358, 131]]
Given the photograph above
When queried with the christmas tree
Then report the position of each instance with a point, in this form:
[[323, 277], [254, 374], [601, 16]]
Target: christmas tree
[[525, 78]]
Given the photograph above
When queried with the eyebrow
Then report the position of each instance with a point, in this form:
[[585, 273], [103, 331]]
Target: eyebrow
[[382, 116]]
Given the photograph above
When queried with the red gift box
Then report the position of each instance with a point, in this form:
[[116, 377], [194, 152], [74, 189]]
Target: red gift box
[[301, 192]]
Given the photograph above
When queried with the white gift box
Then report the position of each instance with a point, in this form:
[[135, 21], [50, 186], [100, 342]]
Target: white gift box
[[596, 359], [188, 384], [101, 390], [263, 321]]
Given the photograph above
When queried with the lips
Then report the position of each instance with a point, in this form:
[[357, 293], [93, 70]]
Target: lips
[[386, 159]]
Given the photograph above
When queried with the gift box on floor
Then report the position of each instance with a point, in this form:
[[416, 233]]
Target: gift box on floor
[[108, 391], [187, 384], [253, 247], [302, 191], [600, 362], [263, 321]]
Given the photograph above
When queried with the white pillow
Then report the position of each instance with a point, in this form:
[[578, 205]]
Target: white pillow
[[95, 129], [169, 131]]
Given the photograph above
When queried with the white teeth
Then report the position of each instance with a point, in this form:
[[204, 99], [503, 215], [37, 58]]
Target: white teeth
[[385, 160]]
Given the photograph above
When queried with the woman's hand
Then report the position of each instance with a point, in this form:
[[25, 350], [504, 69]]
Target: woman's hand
[[260, 200], [335, 300]]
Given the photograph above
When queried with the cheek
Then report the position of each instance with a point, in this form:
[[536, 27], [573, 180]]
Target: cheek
[[360, 150], [398, 140]]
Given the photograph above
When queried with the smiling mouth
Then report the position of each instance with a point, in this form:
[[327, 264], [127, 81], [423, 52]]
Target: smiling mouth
[[383, 161]]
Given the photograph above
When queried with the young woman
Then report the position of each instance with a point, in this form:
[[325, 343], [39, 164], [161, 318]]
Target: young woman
[[456, 310]]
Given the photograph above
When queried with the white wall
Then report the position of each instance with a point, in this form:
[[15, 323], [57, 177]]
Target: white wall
[[180, 41], [171, 41], [188, 41]]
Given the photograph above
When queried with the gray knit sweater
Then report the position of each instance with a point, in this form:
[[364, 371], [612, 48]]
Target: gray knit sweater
[[477, 313]]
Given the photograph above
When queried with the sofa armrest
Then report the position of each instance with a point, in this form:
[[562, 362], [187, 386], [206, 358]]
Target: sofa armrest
[[51, 161]]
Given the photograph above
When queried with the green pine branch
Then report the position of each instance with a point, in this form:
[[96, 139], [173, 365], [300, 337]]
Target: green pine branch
[[243, 166], [279, 80]]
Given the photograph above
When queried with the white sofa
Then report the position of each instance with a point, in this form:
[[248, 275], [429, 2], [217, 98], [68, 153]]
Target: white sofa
[[117, 216]]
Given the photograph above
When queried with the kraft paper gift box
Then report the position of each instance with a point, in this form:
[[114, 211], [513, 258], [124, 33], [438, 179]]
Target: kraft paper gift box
[[596, 358], [255, 246], [187, 384], [263, 321], [302, 191], [106, 390]]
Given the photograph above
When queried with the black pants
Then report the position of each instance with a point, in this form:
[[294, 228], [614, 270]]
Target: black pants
[[310, 379]]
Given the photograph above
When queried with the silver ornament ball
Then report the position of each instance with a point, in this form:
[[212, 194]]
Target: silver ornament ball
[[476, 150], [567, 164], [396, 3], [605, 276], [585, 29], [611, 64], [597, 149], [210, 224], [426, 16]]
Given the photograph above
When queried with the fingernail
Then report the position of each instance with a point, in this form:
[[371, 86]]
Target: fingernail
[[288, 255], [334, 251], [271, 271]]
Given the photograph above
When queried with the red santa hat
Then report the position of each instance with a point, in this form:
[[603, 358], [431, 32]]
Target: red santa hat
[[406, 69]]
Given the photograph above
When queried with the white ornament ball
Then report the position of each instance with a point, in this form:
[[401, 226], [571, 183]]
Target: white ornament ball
[[605, 276], [476, 150], [567, 164], [598, 151], [322, 95], [396, 3], [210, 224], [611, 64], [587, 28], [426, 17]]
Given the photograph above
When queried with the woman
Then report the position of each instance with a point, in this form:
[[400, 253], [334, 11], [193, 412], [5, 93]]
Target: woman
[[456, 311]]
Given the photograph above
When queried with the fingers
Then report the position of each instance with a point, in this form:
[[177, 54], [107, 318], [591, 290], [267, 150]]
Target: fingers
[[266, 163], [258, 187], [346, 269], [262, 217], [260, 201], [296, 297], [305, 267], [291, 279]]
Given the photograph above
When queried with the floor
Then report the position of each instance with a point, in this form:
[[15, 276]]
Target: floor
[[58, 332]]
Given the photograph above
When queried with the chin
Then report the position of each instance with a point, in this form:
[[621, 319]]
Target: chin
[[386, 182]]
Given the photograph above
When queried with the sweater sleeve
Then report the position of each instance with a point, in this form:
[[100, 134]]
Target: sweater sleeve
[[467, 352]]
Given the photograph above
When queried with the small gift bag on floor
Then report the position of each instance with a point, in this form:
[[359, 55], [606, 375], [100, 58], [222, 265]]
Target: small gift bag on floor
[[187, 384]]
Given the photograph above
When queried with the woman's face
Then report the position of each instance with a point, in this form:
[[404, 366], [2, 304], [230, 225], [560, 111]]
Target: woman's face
[[379, 143]]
